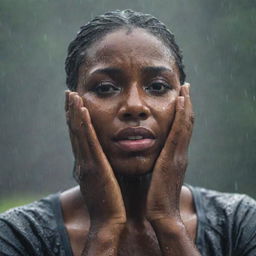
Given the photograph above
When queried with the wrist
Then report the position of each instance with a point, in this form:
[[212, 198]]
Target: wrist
[[105, 230], [171, 226], [105, 233], [103, 239]]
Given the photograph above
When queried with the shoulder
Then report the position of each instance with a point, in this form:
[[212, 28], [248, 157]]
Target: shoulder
[[223, 200], [30, 229], [226, 220], [227, 204]]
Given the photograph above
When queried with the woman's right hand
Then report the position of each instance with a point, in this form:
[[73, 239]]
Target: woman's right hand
[[97, 181]]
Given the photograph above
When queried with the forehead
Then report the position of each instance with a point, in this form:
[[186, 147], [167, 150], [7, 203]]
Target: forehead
[[129, 47]]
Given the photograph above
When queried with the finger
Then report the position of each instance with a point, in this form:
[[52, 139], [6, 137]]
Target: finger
[[189, 114], [79, 128], [67, 106], [80, 124], [66, 99], [75, 120], [176, 129], [186, 124], [75, 145], [102, 172], [73, 140], [185, 91], [92, 143]]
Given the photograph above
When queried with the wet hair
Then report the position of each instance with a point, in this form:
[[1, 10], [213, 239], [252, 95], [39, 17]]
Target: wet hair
[[101, 25]]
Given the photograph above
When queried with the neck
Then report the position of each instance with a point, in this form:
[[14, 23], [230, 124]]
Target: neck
[[134, 191]]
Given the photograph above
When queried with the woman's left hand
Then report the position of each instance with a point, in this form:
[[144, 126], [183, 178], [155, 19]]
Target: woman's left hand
[[163, 197], [167, 178]]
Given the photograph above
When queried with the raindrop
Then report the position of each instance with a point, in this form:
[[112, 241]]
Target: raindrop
[[45, 37], [236, 186]]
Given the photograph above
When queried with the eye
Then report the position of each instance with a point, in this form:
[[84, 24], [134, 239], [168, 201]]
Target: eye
[[105, 89], [158, 87]]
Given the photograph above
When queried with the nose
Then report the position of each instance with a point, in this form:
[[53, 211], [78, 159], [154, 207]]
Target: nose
[[133, 105]]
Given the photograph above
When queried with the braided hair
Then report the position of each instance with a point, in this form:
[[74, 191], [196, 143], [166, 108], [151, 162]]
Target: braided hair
[[101, 25]]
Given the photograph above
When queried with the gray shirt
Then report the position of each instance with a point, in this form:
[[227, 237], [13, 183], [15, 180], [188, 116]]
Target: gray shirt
[[226, 226]]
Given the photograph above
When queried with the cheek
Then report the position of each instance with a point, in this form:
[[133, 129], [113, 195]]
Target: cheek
[[165, 112], [101, 113]]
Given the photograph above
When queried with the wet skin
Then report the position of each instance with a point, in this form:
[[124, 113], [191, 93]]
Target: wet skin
[[134, 105], [130, 80]]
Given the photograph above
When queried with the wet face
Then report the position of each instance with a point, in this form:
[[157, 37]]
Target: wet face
[[129, 85]]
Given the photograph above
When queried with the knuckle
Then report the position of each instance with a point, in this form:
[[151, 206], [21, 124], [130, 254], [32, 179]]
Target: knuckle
[[187, 124], [165, 167], [180, 162], [174, 142], [77, 127], [192, 117], [86, 169], [180, 112], [74, 128], [176, 135]]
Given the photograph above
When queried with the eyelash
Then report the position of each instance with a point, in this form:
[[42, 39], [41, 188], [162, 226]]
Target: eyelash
[[100, 86], [161, 83], [115, 89]]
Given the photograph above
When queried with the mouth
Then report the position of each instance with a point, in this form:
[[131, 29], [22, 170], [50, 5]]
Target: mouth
[[134, 139]]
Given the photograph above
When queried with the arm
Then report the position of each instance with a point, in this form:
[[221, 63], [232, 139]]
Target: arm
[[164, 193], [173, 238], [98, 184], [103, 239]]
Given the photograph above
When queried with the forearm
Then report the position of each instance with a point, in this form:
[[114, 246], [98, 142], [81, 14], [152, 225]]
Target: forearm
[[173, 238], [103, 240]]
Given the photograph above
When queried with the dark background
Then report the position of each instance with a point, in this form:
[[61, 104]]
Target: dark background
[[218, 39]]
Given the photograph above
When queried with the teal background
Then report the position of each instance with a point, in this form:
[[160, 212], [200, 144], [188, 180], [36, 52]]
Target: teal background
[[218, 39]]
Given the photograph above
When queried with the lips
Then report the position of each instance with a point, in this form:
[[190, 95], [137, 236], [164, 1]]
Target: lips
[[134, 139]]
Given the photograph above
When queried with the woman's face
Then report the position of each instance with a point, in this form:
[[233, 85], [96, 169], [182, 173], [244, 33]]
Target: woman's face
[[129, 84]]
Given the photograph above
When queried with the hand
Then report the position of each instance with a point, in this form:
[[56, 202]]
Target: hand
[[168, 174], [98, 184]]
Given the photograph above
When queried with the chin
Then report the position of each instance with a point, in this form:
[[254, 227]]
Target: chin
[[134, 166]]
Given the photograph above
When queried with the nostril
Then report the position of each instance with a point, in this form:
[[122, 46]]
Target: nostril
[[127, 115], [142, 115]]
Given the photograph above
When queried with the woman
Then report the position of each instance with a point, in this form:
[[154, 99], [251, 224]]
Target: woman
[[130, 120]]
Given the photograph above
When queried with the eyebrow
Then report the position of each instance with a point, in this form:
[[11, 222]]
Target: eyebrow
[[108, 71], [156, 69], [118, 71]]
